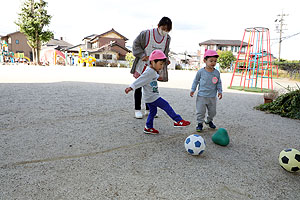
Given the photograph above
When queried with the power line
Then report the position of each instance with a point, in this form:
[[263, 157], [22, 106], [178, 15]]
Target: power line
[[286, 37]]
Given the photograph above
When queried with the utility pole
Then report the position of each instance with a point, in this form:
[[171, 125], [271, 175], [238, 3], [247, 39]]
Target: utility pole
[[280, 20]]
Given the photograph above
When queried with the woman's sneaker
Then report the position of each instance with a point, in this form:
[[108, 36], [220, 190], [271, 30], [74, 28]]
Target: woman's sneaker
[[138, 114], [210, 124], [181, 123], [152, 131], [199, 127]]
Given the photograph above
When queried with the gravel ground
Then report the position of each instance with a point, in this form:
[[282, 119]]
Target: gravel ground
[[70, 133]]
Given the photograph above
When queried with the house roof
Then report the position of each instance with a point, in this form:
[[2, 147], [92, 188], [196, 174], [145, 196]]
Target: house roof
[[11, 33], [90, 36], [54, 42], [58, 44], [223, 42], [112, 30], [77, 48], [113, 43], [117, 44]]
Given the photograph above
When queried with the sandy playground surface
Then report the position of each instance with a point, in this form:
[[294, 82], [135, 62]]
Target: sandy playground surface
[[70, 133]]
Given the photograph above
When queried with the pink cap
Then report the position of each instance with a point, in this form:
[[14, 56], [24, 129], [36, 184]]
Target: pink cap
[[210, 53], [157, 54]]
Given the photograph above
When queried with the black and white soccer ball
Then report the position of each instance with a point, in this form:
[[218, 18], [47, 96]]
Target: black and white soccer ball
[[194, 144], [289, 159]]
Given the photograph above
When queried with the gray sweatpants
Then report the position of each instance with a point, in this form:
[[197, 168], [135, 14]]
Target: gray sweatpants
[[203, 103]]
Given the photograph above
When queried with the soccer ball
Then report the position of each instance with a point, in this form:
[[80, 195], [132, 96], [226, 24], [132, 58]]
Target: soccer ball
[[194, 144], [289, 159]]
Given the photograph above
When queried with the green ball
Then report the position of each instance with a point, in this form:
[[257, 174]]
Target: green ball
[[221, 137]]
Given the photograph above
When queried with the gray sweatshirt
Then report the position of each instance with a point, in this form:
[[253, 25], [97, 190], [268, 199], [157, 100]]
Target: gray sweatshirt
[[209, 83], [148, 80]]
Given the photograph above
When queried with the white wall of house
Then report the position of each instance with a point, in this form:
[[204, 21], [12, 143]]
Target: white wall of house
[[100, 56], [233, 49], [172, 64]]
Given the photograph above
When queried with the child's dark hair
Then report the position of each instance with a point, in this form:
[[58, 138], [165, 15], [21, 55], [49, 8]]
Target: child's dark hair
[[156, 60], [166, 21], [207, 57]]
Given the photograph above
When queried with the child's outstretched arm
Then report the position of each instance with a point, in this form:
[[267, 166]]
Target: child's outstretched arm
[[139, 82]]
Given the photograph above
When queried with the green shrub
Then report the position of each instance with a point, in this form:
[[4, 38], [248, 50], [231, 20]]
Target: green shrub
[[286, 105], [225, 59], [178, 67], [292, 68]]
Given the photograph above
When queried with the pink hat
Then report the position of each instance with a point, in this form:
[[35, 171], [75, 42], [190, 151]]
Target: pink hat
[[210, 53], [157, 54]]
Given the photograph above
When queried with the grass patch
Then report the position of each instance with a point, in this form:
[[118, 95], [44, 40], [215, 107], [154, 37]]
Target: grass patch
[[253, 89]]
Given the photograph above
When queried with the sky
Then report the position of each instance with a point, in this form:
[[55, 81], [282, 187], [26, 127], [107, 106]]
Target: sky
[[194, 21]]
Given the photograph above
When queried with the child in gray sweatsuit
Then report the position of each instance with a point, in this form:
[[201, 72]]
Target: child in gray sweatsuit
[[209, 84]]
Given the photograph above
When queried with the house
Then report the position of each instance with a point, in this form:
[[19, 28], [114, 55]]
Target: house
[[58, 44], [17, 43], [223, 45], [109, 47]]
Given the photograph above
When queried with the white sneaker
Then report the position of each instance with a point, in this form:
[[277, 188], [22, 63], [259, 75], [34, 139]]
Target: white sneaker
[[138, 114]]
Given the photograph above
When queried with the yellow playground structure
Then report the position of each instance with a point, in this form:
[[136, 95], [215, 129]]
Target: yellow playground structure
[[21, 55], [88, 60]]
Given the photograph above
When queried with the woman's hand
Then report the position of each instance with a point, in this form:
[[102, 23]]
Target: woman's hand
[[145, 58], [128, 90]]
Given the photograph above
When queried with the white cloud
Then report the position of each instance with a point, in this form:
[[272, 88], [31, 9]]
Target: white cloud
[[194, 21]]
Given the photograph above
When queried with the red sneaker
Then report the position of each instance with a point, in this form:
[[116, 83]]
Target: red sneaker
[[181, 123], [152, 131]]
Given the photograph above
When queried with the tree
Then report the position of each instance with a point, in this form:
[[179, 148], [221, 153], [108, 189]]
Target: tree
[[32, 21], [130, 58], [225, 59]]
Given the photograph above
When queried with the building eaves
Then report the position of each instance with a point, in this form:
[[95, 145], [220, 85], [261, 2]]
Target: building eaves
[[223, 42], [89, 37], [112, 30], [11, 33], [56, 42]]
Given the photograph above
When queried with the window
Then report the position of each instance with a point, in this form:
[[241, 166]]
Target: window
[[94, 45], [107, 56], [17, 41], [97, 56], [9, 40]]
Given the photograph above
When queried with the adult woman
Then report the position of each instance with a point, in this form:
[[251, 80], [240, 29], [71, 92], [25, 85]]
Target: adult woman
[[146, 42]]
